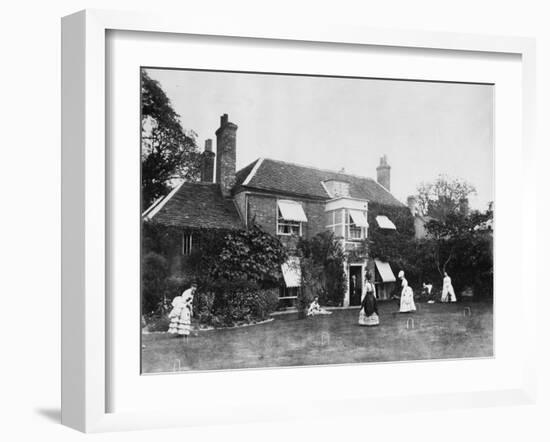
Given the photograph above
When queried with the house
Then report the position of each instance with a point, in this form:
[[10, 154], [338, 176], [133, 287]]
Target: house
[[288, 201]]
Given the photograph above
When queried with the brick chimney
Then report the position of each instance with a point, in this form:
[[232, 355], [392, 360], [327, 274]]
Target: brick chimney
[[207, 163], [383, 172], [226, 154]]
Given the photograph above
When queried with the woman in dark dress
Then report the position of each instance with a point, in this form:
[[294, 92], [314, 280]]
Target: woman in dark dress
[[368, 315]]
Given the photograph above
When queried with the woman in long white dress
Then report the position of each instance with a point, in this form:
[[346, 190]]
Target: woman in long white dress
[[407, 296], [448, 292], [182, 310]]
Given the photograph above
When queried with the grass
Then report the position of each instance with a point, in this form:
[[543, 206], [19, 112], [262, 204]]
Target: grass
[[440, 331]]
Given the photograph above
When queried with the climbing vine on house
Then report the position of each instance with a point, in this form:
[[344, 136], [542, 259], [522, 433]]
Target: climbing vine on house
[[398, 247], [238, 271], [325, 259], [251, 254]]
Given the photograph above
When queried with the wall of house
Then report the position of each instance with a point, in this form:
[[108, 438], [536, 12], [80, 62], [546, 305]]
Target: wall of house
[[263, 210], [240, 202]]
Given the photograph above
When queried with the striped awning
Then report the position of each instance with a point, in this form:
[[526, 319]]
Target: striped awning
[[292, 211], [384, 222], [385, 271], [291, 272], [359, 218]]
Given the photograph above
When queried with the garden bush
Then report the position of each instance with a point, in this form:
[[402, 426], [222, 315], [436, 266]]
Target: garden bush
[[227, 303], [154, 274], [324, 257], [157, 321], [312, 285]]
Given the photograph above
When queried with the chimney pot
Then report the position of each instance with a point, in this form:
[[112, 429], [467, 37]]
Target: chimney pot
[[207, 163], [383, 172]]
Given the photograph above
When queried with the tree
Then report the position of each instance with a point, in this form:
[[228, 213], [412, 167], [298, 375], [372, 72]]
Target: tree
[[312, 284], [323, 260], [462, 244], [443, 196], [167, 150]]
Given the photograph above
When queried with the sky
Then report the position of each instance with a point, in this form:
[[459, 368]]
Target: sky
[[424, 128]]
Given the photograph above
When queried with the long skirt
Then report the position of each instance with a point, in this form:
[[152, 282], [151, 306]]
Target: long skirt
[[369, 321], [368, 315], [180, 323], [407, 301], [448, 294]]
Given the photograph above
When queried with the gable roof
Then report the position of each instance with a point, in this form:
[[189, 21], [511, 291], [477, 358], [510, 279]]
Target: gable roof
[[294, 179], [196, 205]]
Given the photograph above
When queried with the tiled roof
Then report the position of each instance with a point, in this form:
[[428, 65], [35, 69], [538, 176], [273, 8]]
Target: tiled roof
[[289, 178], [197, 205]]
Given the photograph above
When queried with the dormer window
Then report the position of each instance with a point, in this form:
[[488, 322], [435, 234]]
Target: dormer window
[[290, 216], [336, 188]]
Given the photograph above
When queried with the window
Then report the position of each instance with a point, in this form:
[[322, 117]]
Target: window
[[286, 227], [348, 224], [337, 188], [334, 222], [186, 244], [385, 223], [290, 216], [289, 292], [356, 224], [354, 232]]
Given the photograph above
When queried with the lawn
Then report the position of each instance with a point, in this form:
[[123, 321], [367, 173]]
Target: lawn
[[440, 331]]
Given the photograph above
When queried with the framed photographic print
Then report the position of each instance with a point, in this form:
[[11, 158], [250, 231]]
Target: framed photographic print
[[266, 217]]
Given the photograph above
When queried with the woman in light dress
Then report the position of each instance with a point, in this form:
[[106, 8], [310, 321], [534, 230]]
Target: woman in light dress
[[315, 309], [448, 292], [407, 297], [182, 310], [368, 314]]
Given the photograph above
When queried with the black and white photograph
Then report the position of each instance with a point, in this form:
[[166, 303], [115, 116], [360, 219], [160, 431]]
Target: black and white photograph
[[294, 220], [243, 221]]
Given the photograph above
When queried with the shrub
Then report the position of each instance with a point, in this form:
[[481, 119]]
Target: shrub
[[326, 261], [153, 279], [157, 322], [202, 306], [252, 255], [226, 303], [312, 285]]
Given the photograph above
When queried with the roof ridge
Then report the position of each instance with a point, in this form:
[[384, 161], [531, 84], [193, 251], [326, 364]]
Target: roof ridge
[[248, 165], [149, 214], [325, 170], [203, 183], [253, 171]]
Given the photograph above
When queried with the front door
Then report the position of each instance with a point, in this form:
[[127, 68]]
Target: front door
[[355, 285]]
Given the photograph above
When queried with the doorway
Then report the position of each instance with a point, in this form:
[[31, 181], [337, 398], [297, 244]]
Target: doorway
[[355, 284]]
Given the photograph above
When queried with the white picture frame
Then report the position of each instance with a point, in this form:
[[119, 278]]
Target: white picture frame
[[85, 213]]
